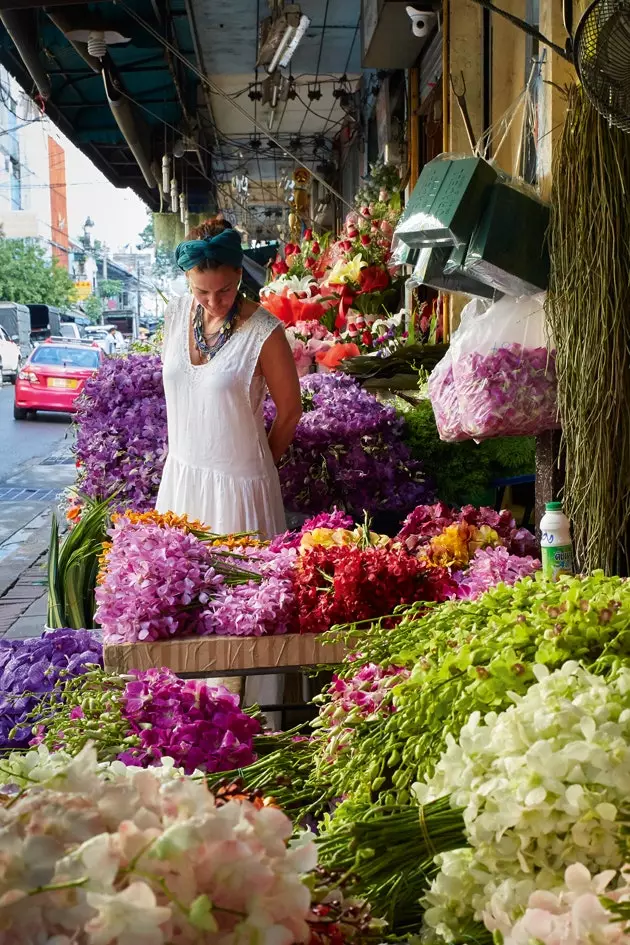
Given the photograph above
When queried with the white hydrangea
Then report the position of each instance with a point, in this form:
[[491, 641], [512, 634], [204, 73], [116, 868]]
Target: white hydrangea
[[540, 785]]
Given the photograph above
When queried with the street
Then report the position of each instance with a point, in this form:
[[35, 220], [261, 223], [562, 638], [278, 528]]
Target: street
[[36, 464], [22, 441]]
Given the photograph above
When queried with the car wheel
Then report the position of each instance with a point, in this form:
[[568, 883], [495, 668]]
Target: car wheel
[[14, 377], [19, 413], [1, 373]]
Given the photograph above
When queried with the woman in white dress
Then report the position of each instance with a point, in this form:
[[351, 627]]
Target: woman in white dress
[[221, 354]]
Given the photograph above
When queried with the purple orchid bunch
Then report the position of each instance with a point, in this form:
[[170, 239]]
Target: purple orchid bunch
[[492, 566], [348, 453], [198, 726], [156, 582], [122, 438], [29, 669], [257, 609]]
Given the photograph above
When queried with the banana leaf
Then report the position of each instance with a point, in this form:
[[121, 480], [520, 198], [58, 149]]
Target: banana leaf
[[55, 599]]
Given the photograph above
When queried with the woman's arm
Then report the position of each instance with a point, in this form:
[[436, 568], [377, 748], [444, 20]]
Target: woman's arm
[[278, 369]]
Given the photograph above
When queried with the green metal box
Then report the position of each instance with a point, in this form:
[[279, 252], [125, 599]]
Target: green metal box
[[509, 249], [430, 270], [447, 202]]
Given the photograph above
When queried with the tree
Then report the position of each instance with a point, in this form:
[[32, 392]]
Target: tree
[[93, 308], [110, 288], [26, 276]]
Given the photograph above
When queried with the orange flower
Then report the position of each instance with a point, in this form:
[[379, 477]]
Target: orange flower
[[333, 357]]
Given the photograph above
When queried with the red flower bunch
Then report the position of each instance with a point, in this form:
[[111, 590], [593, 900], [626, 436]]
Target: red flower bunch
[[338, 585]]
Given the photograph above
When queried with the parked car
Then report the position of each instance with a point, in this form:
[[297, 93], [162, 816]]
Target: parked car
[[54, 376], [71, 331], [9, 357], [99, 334]]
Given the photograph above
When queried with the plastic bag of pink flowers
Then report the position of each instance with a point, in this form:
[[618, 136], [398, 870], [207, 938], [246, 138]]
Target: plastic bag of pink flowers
[[504, 372]]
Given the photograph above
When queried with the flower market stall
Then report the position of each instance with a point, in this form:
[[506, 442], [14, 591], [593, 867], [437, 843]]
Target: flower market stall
[[466, 771]]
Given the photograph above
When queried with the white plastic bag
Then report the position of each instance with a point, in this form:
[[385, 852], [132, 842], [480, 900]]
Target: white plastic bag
[[504, 372], [442, 389]]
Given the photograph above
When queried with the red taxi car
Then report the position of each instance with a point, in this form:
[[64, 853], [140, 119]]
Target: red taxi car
[[54, 376]]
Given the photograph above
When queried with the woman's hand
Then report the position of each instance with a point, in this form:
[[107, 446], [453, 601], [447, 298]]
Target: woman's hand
[[278, 368]]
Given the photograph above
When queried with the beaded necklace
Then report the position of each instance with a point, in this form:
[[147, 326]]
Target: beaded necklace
[[224, 334]]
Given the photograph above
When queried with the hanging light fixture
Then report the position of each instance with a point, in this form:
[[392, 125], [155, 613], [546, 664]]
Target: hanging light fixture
[[182, 207], [166, 173], [174, 195]]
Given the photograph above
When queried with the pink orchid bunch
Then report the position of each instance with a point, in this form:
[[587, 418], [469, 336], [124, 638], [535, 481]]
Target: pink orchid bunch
[[147, 857], [155, 583], [362, 696], [198, 726], [257, 609], [492, 566], [583, 911]]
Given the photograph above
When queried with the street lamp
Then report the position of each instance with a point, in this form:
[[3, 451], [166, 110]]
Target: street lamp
[[88, 226]]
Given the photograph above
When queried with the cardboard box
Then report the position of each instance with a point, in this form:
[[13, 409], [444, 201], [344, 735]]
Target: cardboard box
[[509, 249], [447, 202], [206, 656]]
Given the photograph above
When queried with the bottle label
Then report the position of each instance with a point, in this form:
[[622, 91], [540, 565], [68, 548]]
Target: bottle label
[[557, 561]]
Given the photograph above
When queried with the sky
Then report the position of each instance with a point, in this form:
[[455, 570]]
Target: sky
[[118, 215]]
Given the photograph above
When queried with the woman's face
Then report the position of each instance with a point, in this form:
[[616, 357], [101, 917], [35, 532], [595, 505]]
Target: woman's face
[[215, 289]]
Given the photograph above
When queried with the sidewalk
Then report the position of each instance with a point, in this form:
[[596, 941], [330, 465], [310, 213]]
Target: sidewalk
[[27, 501]]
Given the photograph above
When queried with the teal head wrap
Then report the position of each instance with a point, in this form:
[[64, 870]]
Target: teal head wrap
[[224, 249]]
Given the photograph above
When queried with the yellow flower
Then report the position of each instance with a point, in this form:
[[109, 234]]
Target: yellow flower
[[324, 537], [344, 272]]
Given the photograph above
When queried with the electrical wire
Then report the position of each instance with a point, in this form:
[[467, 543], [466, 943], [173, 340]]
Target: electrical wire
[[345, 71], [217, 90], [200, 146]]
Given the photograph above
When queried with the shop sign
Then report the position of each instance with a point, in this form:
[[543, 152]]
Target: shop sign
[[83, 290]]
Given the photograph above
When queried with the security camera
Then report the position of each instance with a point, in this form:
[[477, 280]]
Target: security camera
[[421, 22]]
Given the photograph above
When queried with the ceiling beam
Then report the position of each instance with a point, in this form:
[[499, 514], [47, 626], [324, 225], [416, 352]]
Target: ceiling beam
[[38, 4]]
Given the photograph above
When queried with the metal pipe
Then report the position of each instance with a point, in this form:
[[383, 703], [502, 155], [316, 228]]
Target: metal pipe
[[128, 125], [21, 25]]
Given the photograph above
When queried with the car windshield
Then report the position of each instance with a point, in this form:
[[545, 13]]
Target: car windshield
[[66, 357]]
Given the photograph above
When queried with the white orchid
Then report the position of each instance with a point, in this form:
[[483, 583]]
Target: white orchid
[[540, 786]]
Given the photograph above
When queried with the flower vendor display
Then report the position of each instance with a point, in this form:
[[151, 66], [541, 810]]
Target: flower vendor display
[[503, 374], [438, 531], [121, 432], [348, 452], [158, 574], [29, 669], [128, 856], [540, 785], [143, 718]]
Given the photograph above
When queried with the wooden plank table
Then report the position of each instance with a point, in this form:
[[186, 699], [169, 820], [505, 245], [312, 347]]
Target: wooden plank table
[[220, 657], [199, 657]]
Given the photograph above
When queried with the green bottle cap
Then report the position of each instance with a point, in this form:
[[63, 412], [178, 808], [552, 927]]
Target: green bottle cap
[[554, 507]]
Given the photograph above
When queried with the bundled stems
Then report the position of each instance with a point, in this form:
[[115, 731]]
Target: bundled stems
[[589, 316]]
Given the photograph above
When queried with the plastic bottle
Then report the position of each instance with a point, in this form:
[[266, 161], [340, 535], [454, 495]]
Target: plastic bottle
[[555, 542]]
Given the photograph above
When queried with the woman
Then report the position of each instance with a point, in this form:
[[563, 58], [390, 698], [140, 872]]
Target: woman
[[221, 352]]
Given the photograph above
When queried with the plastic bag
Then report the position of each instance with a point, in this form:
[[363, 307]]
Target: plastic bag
[[442, 390], [504, 372], [447, 201]]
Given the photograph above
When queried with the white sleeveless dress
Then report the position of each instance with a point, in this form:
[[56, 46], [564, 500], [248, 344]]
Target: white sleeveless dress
[[219, 469]]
